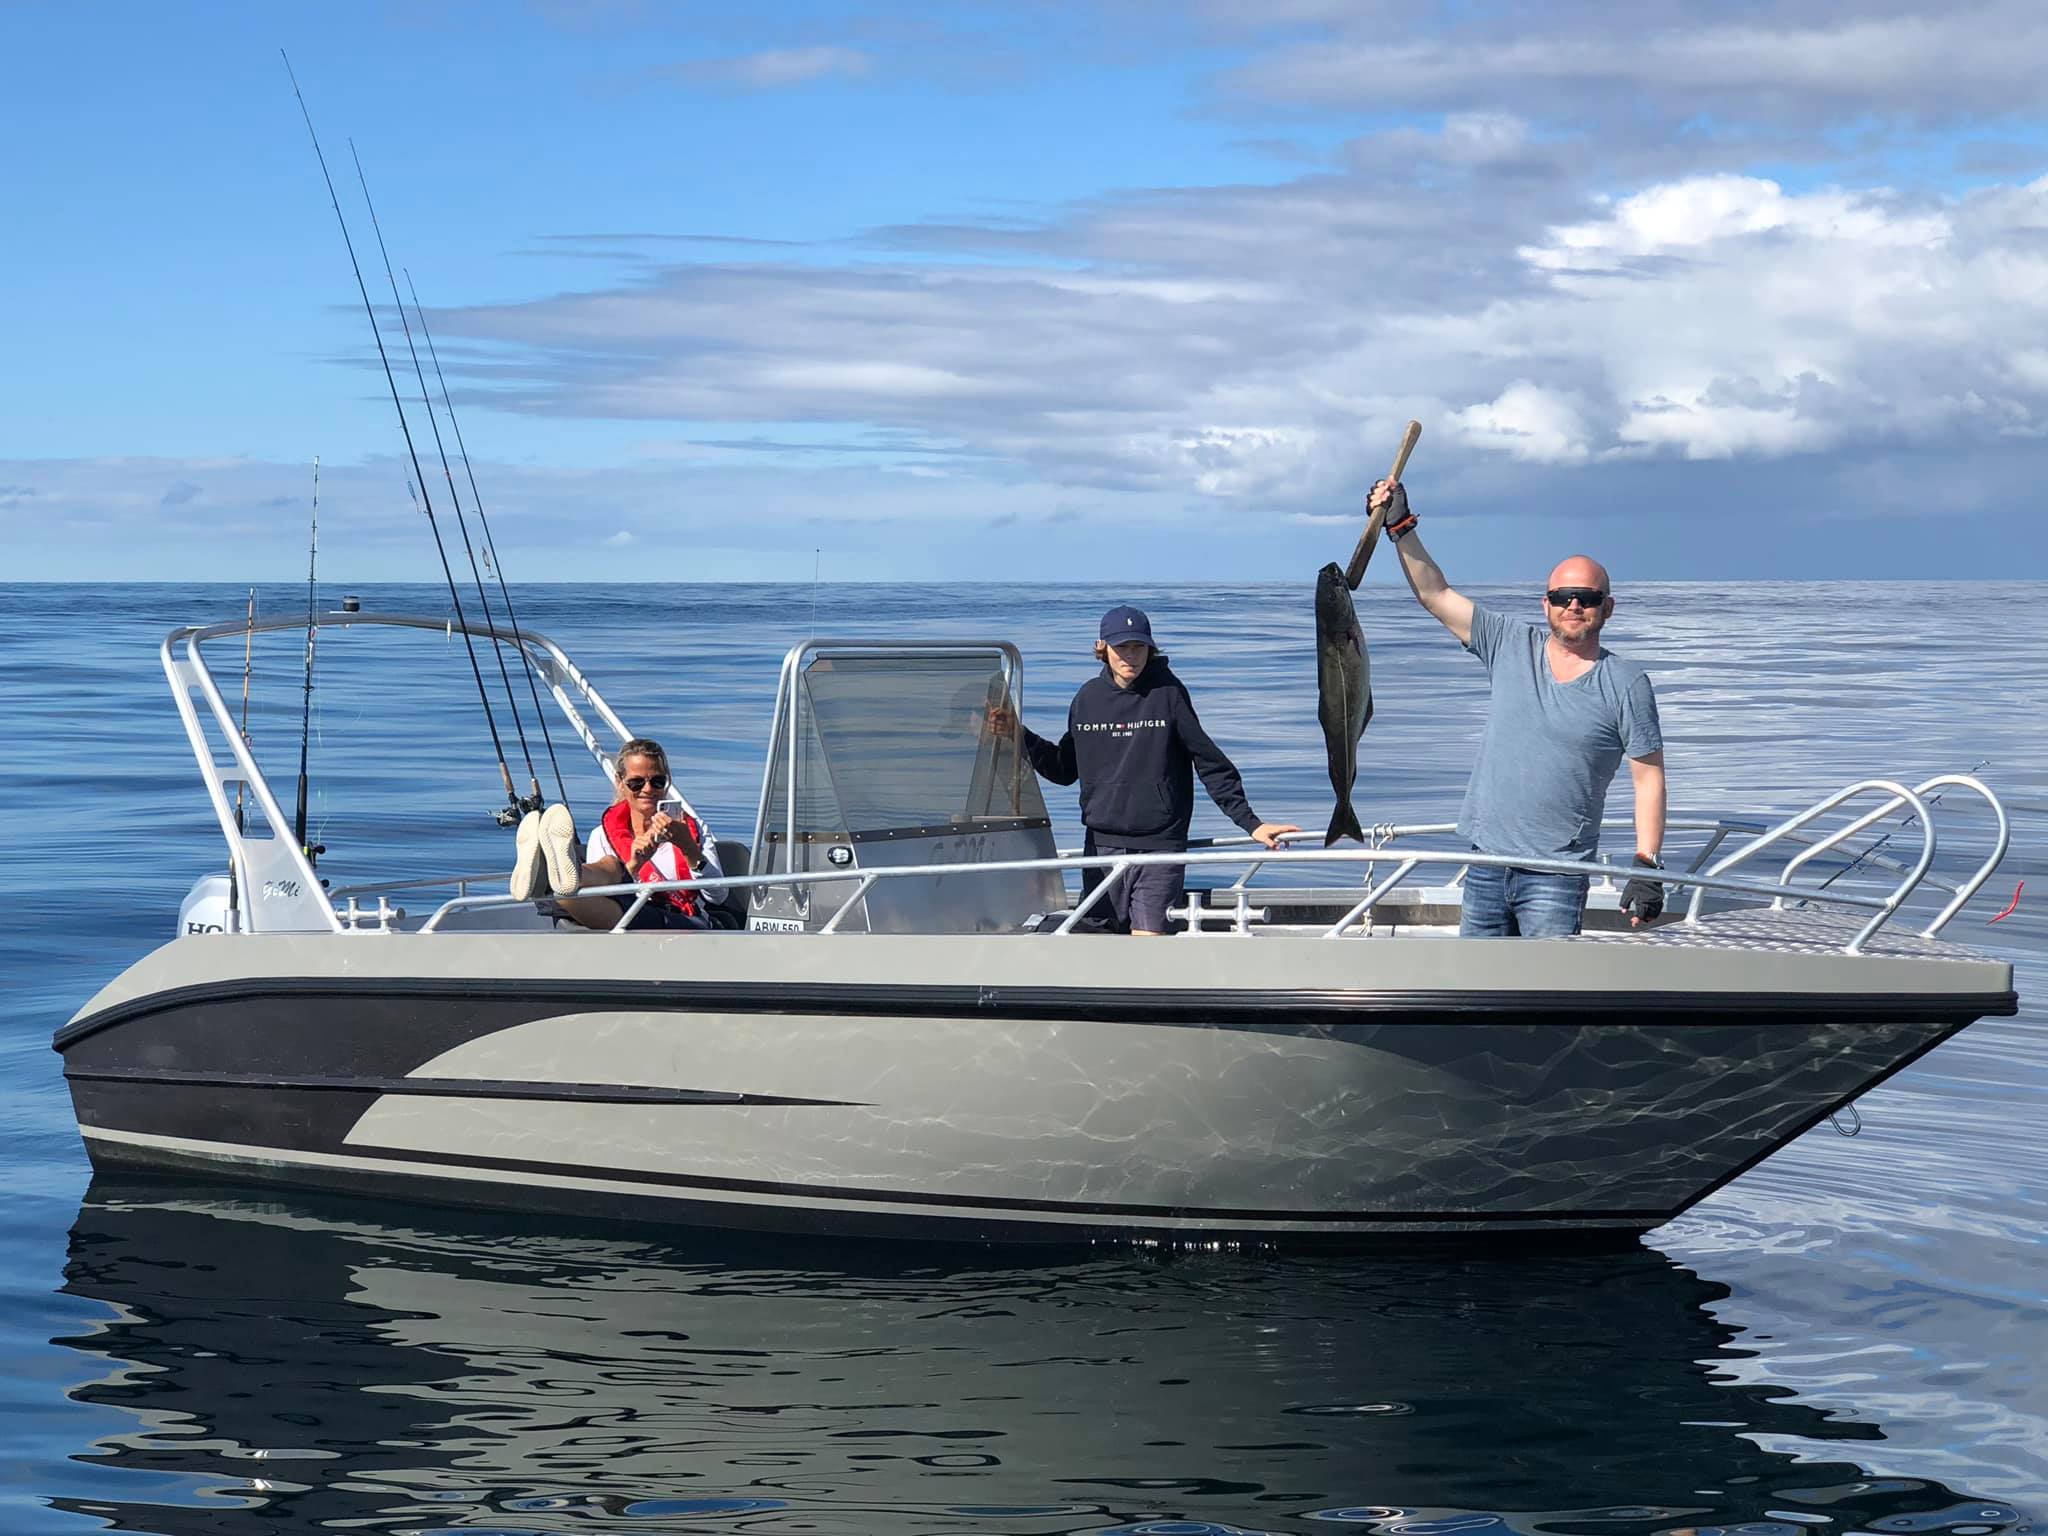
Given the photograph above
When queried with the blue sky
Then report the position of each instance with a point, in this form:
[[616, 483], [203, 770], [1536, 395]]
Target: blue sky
[[1117, 290]]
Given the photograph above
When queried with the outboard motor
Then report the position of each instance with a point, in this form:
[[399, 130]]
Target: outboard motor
[[206, 908]]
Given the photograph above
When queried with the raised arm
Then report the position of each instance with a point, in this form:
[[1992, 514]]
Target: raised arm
[[1450, 607]]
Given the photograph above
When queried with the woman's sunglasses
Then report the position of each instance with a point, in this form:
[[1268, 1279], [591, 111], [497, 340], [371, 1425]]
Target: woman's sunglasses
[[1585, 597], [654, 781]]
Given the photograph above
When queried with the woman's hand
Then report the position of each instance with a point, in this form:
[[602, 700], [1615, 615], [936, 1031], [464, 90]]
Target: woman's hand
[[664, 828]]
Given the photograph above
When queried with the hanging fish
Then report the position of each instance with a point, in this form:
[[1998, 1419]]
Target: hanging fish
[[1343, 692]]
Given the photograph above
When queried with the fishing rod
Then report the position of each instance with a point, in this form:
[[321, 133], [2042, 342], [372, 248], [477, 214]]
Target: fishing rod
[[448, 474], [476, 499], [312, 635], [511, 814]]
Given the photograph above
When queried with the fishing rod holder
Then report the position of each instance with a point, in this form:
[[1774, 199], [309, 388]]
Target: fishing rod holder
[[1238, 913]]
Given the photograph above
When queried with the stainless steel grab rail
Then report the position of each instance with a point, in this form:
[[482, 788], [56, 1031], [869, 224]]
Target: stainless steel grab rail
[[1964, 891], [1812, 813], [637, 893]]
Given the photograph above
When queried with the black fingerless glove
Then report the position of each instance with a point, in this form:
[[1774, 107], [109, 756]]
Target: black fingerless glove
[[1398, 519], [1644, 899]]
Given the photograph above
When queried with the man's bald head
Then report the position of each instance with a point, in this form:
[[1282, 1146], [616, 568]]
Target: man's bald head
[[1581, 571], [1577, 625]]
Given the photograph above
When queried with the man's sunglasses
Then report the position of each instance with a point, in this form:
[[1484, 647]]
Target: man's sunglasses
[[1585, 597], [654, 781]]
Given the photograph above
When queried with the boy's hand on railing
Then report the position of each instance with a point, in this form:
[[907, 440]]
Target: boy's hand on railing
[[1270, 832], [1643, 900]]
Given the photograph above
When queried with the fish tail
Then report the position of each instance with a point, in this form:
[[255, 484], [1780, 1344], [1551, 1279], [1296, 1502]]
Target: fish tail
[[1343, 823]]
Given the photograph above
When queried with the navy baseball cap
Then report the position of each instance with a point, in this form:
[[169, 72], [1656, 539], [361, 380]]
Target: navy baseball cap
[[1126, 623]]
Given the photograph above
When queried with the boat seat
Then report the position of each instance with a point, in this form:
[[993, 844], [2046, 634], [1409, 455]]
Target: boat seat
[[736, 859]]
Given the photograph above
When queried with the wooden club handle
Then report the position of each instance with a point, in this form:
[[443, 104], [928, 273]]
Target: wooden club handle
[[1354, 573], [1408, 441]]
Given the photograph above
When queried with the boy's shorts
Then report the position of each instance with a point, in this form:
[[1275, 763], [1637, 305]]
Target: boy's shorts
[[1143, 896]]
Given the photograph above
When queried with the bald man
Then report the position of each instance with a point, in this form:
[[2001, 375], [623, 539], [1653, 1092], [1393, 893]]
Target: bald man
[[1564, 713]]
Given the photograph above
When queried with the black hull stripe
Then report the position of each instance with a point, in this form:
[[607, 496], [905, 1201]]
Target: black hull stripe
[[991, 1203], [1301, 1006], [820, 1224], [452, 1088]]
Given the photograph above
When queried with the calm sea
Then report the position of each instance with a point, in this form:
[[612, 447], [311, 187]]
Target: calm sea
[[1849, 1338]]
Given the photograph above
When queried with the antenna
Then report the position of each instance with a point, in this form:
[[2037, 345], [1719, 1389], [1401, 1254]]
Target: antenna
[[312, 634]]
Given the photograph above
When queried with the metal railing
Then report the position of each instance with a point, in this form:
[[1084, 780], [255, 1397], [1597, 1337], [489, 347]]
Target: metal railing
[[1814, 812], [1698, 879], [1383, 835], [2000, 843], [462, 883], [275, 881], [1117, 865]]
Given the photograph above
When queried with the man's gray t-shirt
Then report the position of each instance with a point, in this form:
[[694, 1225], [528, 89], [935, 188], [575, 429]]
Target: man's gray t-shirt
[[1539, 787]]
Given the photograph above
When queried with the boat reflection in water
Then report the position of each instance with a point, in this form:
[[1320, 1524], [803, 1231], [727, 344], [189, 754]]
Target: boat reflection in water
[[312, 1364]]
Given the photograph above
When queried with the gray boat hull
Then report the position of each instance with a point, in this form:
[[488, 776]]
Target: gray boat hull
[[1013, 1088]]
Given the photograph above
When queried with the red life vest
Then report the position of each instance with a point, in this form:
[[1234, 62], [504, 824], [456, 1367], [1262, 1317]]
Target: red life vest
[[618, 830]]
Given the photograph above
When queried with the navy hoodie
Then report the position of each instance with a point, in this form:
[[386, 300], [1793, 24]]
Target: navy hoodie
[[1133, 749]]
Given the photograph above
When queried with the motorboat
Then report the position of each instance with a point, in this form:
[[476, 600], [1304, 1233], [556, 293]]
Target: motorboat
[[909, 1029]]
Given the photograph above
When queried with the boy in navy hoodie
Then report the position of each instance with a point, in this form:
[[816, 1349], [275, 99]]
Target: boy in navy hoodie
[[1134, 743]]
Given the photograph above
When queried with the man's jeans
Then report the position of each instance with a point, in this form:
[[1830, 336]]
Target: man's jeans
[[1521, 903]]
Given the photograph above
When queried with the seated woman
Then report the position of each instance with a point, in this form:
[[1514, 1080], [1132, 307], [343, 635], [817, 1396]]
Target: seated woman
[[636, 840]]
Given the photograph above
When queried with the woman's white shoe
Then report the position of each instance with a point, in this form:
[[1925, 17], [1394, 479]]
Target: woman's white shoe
[[528, 859], [559, 844]]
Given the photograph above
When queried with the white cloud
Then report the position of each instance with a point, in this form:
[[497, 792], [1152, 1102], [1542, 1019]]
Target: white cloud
[[1237, 462], [1723, 316], [1679, 216], [1261, 345], [1782, 62], [1704, 431], [1476, 137], [1527, 422], [855, 377], [776, 68]]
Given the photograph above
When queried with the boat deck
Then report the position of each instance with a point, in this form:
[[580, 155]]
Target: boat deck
[[1787, 931]]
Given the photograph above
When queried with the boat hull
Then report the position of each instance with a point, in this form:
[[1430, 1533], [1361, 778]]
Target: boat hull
[[1019, 1089]]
